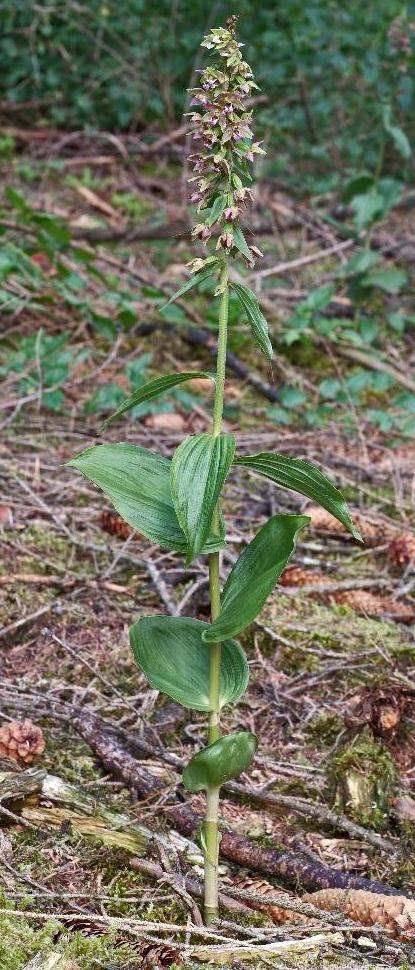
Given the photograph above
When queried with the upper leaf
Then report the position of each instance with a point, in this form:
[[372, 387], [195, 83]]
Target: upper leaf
[[192, 282], [255, 574], [219, 762], [256, 318], [241, 243], [175, 660], [305, 478], [198, 470], [152, 389], [137, 482]]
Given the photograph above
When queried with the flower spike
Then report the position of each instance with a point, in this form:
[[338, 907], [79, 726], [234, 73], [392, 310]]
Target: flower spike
[[222, 129]]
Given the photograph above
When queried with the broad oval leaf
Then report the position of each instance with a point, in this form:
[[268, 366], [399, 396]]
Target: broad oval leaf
[[305, 478], [137, 482], [219, 762], [152, 389], [256, 318], [255, 574], [175, 660], [192, 282], [198, 470]]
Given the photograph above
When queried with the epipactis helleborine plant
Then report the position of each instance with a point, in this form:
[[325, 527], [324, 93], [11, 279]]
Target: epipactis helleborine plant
[[176, 503]]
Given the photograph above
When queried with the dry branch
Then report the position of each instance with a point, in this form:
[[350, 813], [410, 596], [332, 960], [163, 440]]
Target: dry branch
[[289, 866], [15, 785], [262, 951], [50, 961]]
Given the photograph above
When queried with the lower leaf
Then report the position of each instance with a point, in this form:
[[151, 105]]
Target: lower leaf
[[175, 660], [219, 762]]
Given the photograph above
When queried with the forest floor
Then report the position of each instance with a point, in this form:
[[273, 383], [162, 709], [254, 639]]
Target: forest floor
[[96, 873]]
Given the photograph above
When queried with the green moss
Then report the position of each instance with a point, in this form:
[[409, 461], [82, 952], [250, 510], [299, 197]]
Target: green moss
[[21, 939], [363, 778], [324, 728]]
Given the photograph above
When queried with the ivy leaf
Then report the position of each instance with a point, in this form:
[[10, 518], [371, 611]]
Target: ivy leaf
[[137, 482], [255, 574], [152, 389], [255, 316], [367, 207], [198, 471], [171, 652], [303, 477], [390, 280], [219, 762], [194, 280]]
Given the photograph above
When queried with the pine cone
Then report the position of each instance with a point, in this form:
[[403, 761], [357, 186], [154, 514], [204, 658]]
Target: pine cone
[[160, 955], [296, 576], [395, 913], [21, 741], [379, 607], [263, 888], [115, 525], [401, 550]]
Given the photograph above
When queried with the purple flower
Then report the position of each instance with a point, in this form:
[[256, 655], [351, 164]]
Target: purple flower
[[201, 232]]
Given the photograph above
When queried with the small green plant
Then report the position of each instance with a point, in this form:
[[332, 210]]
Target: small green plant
[[177, 503]]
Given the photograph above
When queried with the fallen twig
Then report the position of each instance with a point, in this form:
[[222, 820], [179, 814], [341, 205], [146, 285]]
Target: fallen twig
[[289, 866]]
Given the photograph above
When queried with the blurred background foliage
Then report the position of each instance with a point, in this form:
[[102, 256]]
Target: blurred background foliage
[[328, 69]]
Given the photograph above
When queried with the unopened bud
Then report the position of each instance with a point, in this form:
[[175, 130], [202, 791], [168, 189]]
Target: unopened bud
[[225, 241], [201, 231]]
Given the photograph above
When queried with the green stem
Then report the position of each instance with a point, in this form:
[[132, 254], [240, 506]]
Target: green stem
[[212, 803]]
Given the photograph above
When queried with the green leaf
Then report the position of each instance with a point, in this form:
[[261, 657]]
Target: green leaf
[[398, 136], [152, 389], [137, 482], [255, 574], [359, 263], [303, 477], [198, 470], [367, 207], [358, 185], [175, 660], [216, 764], [255, 316], [241, 244], [390, 280], [218, 207], [191, 283]]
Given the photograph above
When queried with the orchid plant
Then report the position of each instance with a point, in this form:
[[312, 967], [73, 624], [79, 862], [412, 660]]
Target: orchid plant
[[177, 503]]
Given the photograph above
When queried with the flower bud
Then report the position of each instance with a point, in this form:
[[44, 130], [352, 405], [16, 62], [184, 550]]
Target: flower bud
[[201, 232], [225, 241]]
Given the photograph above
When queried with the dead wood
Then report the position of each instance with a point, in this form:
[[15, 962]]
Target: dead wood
[[50, 961], [309, 809], [15, 785], [289, 866]]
